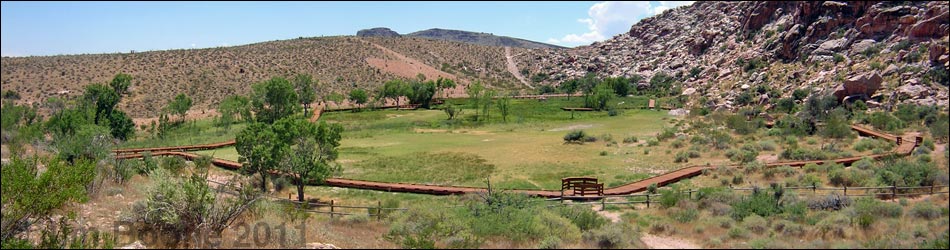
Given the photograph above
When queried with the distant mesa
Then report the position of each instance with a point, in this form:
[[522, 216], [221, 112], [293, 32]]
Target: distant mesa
[[380, 31], [478, 38]]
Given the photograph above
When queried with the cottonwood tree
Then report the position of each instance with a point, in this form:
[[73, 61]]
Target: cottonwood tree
[[273, 99], [261, 151], [305, 92], [444, 84], [474, 92], [311, 157], [359, 97], [504, 107], [180, 105], [120, 83], [233, 106]]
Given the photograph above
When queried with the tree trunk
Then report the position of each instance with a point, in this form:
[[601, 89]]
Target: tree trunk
[[300, 190], [264, 182]]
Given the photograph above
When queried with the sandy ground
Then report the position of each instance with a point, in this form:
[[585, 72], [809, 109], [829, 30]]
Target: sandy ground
[[652, 241], [660, 242]]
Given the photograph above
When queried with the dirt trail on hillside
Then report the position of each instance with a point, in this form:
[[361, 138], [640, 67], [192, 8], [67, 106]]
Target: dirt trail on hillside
[[513, 68]]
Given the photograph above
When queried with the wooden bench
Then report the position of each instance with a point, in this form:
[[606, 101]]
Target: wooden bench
[[581, 186]]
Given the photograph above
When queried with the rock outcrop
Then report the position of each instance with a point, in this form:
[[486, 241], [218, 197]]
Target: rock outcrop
[[795, 45]]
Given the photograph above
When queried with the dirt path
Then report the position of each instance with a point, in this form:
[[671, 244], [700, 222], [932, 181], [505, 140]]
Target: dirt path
[[513, 68], [659, 242]]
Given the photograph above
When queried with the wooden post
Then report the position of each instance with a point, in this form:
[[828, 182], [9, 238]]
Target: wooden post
[[894, 191], [331, 209], [931, 189], [814, 188], [648, 200], [690, 195], [603, 203], [379, 210], [846, 190]]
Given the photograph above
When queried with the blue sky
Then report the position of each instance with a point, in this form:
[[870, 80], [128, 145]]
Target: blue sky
[[54, 28]]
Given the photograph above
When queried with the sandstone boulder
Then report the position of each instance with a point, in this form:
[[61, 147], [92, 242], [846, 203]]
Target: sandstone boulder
[[862, 84]]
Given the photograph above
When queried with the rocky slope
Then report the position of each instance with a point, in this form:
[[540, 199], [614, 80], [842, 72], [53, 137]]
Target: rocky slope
[[896, 48], [209, 75], [478, 38]]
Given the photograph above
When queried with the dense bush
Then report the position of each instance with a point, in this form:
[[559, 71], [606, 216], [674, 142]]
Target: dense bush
[[908, 173], [755, 224], [27, 194], [575, 136], [762, 203], [925, 211], [184, 204], [885, 121]]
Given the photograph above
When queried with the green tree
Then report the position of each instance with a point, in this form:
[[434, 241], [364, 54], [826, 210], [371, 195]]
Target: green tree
[[474, 92], [305, 92], [836, 125], [422, 93], [311, 159], [180, 105], [620, 85], [444, 84], [393, 89], [232, 106], [504, 107], [102, 98], [598, 97], [488, 99], [260, 150], [358, 96], [273, 99], [121, 126], [120, 83], [569, 87]]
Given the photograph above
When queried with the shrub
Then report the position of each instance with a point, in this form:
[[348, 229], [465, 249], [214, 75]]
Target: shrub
[[186, 204], [173, 164], [871, 144], [736, 180], [693, 154], [669, 197], [613, 236], [829, 202], [885, 121], [925, 211], [678, 144], [755, 224], [760, 202], [575, 136], [738, 233], [356, 218], [791, 229], [908, 173], [550, 242], [682, 156], [603, 153], [653, 142], [584, 219], [684, 215], [631, 139], [834, 225], [767, 145]]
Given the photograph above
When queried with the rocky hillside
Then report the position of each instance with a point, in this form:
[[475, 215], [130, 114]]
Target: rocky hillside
[[887, 52], [209, 75], [460, 36]]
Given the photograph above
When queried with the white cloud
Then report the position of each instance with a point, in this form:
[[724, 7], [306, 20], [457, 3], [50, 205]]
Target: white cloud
[[610, 18]]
